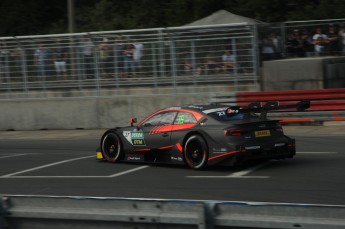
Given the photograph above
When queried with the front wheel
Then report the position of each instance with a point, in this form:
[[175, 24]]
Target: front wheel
[[112, 147], [195, 152]]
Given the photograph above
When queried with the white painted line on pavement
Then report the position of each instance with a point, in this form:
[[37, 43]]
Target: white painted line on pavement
[[110, 176], [15, 155], [45, 166], [34, 177], [316, 152], [241, 174], [129, 171], [245, 172]]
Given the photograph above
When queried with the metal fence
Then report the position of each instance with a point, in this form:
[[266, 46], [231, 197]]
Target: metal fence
[[294, 39], [104, 63], [38, 66]]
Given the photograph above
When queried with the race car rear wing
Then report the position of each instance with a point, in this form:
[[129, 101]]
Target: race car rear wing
[[257, 107]]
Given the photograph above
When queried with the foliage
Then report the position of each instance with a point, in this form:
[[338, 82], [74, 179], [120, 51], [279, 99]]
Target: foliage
[[30, 17]]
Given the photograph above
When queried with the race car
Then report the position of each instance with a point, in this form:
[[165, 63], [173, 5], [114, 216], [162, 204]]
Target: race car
[[201, 136]]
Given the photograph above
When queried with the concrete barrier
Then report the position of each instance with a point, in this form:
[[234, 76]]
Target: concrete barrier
[[98, 112], [303, 73], [26, 212]]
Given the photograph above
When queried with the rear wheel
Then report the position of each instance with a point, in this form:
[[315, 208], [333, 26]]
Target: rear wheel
[[112, 147], [195, 152]]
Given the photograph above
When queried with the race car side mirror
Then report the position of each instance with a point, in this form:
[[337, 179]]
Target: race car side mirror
[[133, 120]]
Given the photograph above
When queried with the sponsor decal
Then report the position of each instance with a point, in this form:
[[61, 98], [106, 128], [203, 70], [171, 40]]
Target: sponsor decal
[[218, 151], [279, 144], [180, 119], [133, 158], [176, 158], [252, 147], [136, 138]]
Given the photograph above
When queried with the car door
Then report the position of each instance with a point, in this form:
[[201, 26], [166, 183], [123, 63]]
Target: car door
[[156, 132], [183, 122]]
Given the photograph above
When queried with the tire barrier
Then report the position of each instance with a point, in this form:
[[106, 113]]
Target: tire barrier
[[24, 212], [325, 104]]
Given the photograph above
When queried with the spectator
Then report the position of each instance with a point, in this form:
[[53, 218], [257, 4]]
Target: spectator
[[276, 40], [289, 45], [319, 41], [298, 44], [268, 49], [105, 56], [228, 62], [18, 60], [128, 56], [332, 37], [342, 36], [3, 61], [307, 42], [188, 62], [211, 66], [60, 58], [118, 57], [87, 52], [41, 58], [138, 53]]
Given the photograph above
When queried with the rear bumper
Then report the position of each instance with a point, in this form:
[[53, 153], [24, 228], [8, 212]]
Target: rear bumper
[[247, 152], [277, 150]]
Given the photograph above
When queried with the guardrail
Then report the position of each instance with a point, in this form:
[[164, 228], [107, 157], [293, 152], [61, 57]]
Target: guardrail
[[325, 104], [90, 212]]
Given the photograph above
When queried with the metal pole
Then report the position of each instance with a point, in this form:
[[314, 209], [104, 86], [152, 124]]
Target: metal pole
[[71, 29], [71, 21]]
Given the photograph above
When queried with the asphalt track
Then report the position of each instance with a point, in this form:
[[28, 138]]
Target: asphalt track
[[62, 163]]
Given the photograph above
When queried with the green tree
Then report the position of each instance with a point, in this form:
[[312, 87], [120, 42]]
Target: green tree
[[30, 17]]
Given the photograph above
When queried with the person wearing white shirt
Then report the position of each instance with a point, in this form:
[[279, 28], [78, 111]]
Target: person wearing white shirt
[[137, 55], [319, 41]]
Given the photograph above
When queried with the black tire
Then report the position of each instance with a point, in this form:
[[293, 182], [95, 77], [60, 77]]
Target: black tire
[[196, 152], [112, 147]]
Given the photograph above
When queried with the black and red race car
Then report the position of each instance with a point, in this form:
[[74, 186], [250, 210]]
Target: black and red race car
[[201, 136]]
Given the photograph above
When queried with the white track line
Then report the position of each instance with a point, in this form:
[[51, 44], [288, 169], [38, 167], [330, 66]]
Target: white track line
[[129, 171], [316, 152], [65, 177], [244, 173], [45, 166], [16, 155], [241, 174]]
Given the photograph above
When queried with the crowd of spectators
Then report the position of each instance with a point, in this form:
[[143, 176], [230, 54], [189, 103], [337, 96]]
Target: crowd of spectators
[[326, 40], [121, 57]]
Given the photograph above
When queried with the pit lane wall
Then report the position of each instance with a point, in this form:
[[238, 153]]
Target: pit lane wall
[[27, 212]]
